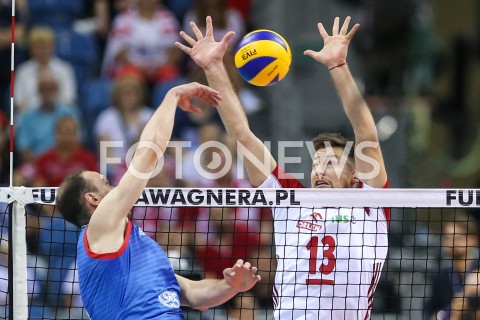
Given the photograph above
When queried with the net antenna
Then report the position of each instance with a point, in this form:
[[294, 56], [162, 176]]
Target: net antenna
[[18, 199]]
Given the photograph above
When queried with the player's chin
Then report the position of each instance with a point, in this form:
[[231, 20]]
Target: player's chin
[[322, 186]]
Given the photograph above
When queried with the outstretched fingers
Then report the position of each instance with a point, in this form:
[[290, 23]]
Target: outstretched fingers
[[309, 53], [196, 30], [352, 32], [344, 29], [226, 38], [336, 24], [322, 30], [209, 32], [183, 47], [187, 38]]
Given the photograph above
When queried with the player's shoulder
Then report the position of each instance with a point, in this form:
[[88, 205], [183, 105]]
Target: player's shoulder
[[364, 185], [279, 178]]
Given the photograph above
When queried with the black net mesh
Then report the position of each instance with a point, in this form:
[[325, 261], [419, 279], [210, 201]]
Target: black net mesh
[[430, 270]]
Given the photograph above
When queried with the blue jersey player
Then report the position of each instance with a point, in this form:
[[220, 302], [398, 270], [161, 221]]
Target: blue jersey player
[[123, 273]]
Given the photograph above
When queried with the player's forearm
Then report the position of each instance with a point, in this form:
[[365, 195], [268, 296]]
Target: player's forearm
[[354, 104], [157, 132], [230, 108], [208, 293]]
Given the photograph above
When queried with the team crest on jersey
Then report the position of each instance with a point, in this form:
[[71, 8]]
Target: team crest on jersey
[[311, 225], [316, 216], [169, 299]]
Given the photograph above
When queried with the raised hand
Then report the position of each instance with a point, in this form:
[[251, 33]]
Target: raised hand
[[335, 47], [242, 276], [205, 51], [186, 92]]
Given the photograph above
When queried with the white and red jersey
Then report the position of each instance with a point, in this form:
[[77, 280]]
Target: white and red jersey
[[329, 260], [147, 42]]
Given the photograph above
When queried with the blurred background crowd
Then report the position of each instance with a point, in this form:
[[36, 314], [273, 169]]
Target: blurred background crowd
[[91, 71]]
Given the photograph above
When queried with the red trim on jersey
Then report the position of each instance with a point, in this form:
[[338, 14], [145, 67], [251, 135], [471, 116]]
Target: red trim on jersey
[[109, 255], [286, 180], [275, 296], [387, 210], [377, 268]]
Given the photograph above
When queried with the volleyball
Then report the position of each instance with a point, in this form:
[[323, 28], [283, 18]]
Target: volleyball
[[263, 57]]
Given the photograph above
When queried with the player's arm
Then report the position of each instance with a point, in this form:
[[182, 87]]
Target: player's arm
[[106, 228], [369, 160], [209, 293], [208, 54]]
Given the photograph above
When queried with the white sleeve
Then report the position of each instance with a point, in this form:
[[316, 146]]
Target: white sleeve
[[270, 182]]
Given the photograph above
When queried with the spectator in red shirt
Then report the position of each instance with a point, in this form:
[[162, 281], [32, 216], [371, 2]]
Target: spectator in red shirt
[[226, 240], [68, 155]]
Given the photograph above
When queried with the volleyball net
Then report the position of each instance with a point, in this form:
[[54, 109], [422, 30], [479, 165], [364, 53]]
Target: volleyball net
[[204, 231]]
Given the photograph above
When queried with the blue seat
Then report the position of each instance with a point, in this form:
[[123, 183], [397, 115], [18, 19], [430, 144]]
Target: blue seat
[[55, 13], [80, 50], [95, 96], [179, 7]]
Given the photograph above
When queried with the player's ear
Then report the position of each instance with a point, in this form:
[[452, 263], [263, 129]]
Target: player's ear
[[92, 198], [354, 180]]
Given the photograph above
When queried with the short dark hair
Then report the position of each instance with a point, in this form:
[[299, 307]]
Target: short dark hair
[[335, 140], [70, 198]]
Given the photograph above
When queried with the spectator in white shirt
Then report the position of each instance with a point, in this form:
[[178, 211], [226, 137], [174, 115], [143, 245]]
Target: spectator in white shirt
[[42, 50]]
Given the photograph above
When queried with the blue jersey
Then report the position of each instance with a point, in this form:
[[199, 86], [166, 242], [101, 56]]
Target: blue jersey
[[136, 282]]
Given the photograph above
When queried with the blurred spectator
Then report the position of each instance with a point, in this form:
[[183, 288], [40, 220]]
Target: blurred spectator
[[36, 131], [71, 292], [226, 19], [4, 151], [97, 18], [124, 120], [242, 6], [68, 155], [194, 173], [6, 45], [460, 242], [42, 50], [57, 246], [34, 282], [224, 242], [142, 42], [466, 306]]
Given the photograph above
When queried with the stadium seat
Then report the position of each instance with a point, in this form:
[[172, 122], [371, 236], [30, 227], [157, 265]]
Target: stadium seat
[[54, 13], [179, 7], [80, 50], [95, 96], [159, 91]]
